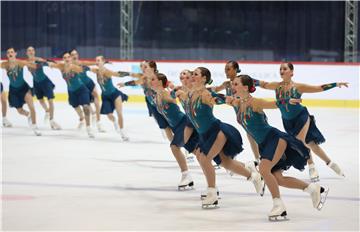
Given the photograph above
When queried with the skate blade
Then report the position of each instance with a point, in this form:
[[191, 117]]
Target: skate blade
[[323, 198], [279, 218], [202, 196], [37, 133], [262, 192], [315, 179], [217, 167], [55, 128], [189, 186], [211, 206]]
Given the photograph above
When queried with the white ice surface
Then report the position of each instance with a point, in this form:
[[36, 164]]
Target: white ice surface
[[65, 181]]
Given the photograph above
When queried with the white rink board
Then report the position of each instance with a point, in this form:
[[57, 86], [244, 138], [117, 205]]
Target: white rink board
[[313, 74]]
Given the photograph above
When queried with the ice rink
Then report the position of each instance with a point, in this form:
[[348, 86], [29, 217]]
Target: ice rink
[[64, 180]]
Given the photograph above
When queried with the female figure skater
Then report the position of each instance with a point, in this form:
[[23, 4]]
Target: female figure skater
[[167, 106], [231, 70], [19, 90], [111, 97], [89, 83], [217, 140], [43, 86], [181, 92], [149, 69], [278, 150], [5, 121], [296, 119], [78, 93]]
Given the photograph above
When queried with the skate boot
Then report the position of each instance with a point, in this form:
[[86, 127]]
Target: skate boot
[[54, 125], [89, 132], [229, 172], [47, 117], [318, 194], [216, 166], [313, 173], [29, 120], [124, 137], [116, 126], [252, 166], [35, 129], [186, 181], [258, 182], [203, 195], [6, 122], [81, 124], [336, 168], [278, 212], [211, 199], [100, 128]]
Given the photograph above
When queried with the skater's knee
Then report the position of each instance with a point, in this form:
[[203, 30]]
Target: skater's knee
[[20, 110], [225, 162], [203, 158], [221, 136], [265, 167], [280, 179], [174, 148], [86, 109], [111, 117]]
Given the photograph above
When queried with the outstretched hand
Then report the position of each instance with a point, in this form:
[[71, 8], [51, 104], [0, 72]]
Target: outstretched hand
[[120, 85], [340, 84], [229, 100]]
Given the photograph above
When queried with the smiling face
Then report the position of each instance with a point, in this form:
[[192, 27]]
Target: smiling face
[[74, 55], [142, 66], [185, 77], [67, 58], [100, 61], [155, 82], [11, 54], [197, 79], [238, 88], [230, 71], [285, 72], [30, 52], [147, 70]]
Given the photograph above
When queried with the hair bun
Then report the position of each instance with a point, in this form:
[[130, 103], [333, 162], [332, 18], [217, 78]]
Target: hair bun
[[252, 89]]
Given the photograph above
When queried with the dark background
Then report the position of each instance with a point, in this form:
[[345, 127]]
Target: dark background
[[263, 31]]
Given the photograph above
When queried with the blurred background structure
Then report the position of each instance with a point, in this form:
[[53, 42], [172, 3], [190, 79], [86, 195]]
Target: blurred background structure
[[324, 31]]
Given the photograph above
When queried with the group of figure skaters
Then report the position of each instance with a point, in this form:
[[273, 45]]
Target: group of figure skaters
[[195, 128], [81, 90]]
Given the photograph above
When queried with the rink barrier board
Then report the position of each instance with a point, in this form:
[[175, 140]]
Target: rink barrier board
[[315, 73], [62, 97]]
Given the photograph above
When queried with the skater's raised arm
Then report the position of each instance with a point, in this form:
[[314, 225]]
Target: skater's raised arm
[[260, 104], [86, 63], [4, 65], [304, 88], [266, 85], [221, 87], [76, 68], [131, 83], [23, 63]]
